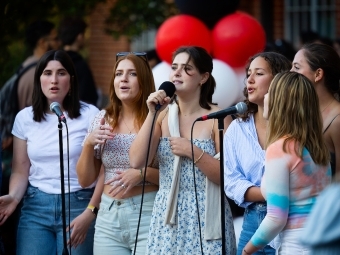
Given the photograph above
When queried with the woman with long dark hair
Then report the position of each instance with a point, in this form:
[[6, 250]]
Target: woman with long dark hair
[[35, 177]]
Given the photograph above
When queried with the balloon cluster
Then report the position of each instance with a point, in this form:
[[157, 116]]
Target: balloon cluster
[[230, 36]]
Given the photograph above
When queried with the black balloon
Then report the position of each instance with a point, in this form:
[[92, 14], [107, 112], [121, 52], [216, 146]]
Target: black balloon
[[208, 11]]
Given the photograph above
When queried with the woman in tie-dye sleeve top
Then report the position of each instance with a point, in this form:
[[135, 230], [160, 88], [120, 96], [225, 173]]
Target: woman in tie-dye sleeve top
[[297, 165]]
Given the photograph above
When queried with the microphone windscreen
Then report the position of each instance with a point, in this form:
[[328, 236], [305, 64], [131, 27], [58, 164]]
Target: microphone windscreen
[[54, 104], [241, 107], [168, 87]]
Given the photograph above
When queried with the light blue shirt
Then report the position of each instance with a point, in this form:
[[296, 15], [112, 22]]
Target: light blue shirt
[[243, 160]]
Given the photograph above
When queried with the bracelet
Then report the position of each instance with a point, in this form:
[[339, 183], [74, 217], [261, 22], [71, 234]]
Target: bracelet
[[244, 250], [199, 157], [141, 173], [93, 209]]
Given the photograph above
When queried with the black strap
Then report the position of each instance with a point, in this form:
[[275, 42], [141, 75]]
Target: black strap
[[330, 124], [22, 69]]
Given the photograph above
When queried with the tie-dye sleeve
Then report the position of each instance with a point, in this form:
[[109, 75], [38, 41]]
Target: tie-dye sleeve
[[276, 186]]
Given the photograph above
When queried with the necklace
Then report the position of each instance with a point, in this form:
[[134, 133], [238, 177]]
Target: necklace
[[127, 127], [326, 106]]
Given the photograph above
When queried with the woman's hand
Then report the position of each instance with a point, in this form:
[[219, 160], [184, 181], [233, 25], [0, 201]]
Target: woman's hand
[[180, 146], [79, 227], [100, 134], [7, 207], [155, 98], [124, 181]]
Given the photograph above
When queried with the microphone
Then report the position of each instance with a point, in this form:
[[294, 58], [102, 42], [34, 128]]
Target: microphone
[[55, 107], [240, 107], [169, 89]]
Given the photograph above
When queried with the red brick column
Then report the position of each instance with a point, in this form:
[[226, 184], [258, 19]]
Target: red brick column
[[103, 47]]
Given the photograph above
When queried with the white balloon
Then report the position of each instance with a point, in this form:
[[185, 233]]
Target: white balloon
[[241, 74], [161, 73], [227, 90]]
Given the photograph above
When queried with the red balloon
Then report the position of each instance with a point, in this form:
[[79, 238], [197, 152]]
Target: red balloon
[[181, 30], [236, 37]]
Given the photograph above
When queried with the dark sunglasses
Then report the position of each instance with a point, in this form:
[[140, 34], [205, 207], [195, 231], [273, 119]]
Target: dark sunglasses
[[138, 54]]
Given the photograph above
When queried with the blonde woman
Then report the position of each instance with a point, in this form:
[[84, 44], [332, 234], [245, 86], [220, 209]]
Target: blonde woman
[[297, 165], [244, 143]]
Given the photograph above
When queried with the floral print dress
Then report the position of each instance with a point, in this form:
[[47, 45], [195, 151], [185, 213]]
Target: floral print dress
[[184, 238]]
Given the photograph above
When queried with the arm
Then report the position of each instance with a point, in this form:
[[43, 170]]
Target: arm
[[209, 165], [96, 197], [152, 175], [88, 166], [253, 194], [239, 184], [81, 223], [130, 178], [206, 163], [139, 146], [276, 180], [18, 180]]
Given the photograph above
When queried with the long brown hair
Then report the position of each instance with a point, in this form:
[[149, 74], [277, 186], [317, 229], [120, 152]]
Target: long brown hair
[[325, 57], [146, 87], [204, 63], [293, 114], [277, 63]]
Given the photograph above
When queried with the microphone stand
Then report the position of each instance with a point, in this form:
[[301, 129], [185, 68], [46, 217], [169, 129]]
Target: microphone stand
[[62, 183], [220, 131]]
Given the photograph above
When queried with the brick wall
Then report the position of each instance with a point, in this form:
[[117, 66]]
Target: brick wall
[[102, 47], [278, 19], [254, 9]]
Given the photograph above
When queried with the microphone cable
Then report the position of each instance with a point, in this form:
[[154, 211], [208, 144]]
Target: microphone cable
[[69, 186], [194, 176], [144, 178]]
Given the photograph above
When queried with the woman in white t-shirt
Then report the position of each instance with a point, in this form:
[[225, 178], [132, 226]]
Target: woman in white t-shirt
[[36, 175]]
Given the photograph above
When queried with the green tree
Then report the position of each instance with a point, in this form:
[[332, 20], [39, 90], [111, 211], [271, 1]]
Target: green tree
[[15, 15], [131, 17], [127, 17]]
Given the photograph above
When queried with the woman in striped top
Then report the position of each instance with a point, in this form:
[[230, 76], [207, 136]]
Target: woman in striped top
[[244, 146]]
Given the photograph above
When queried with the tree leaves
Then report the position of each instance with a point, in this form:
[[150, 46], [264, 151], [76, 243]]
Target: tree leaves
[[130, 18]]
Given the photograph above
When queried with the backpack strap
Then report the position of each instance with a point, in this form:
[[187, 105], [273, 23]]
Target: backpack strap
[[23, 70], [20, 73], [9, 101], [330, 124]]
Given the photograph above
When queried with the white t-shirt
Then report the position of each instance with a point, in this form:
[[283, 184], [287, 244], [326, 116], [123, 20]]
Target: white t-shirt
[[43, 147]]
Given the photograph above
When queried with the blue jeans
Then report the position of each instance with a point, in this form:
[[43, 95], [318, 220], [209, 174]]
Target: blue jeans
[[40, 230], [252, 218], [116, 225]]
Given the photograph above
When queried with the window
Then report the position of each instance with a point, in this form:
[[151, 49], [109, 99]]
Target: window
[[309, 15], [144, 42]]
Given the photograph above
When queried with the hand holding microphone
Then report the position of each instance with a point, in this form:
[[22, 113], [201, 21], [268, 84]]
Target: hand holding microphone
[[100, 134], [162, 97]]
